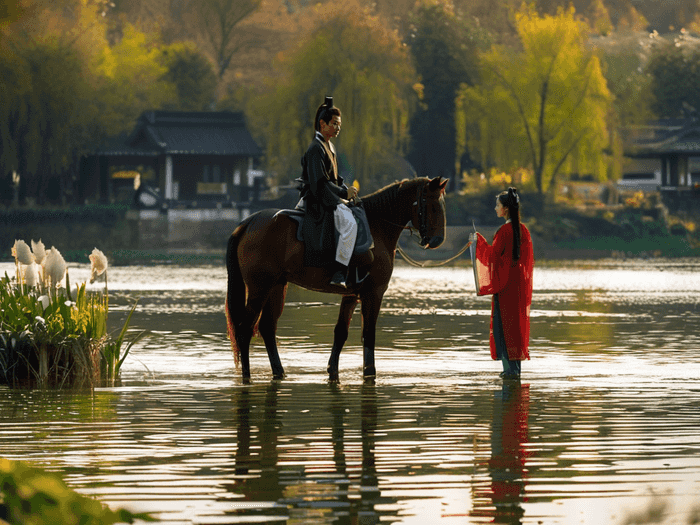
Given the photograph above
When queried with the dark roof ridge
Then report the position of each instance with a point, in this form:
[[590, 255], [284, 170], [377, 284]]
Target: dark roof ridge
[[165, 117]]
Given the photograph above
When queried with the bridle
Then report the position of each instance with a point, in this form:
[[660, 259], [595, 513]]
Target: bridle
[[421, 203], [422, 211]]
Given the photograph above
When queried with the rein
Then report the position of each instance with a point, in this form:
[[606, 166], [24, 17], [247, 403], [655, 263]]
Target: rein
[[429, 264], [422, 204]]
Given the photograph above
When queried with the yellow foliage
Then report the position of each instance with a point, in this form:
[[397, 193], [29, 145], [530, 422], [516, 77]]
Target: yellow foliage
[[636, 200], [542, 107]]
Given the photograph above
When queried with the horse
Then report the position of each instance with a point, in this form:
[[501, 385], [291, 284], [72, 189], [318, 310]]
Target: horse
[[263, 255]]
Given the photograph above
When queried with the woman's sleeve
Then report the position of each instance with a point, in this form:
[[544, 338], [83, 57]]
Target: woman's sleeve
[[493, 262], [528, 267]]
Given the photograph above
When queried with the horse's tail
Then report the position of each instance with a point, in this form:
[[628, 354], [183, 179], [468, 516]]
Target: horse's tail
[[236, 292]]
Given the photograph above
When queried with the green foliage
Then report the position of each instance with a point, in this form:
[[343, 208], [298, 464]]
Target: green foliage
[[33, 497], [624, 59], [545, 107], [113, 355], [360, 62], [132, 79], [49, 338], [444, 49], [675, 76], [193, 77]]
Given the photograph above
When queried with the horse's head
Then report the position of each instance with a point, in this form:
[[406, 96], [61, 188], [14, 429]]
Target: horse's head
[[428, 214]]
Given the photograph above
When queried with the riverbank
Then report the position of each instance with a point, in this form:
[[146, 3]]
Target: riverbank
[[641, 228]]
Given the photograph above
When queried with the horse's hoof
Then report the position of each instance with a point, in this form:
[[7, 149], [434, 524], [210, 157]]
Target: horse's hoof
[[333, 377], [369, 371], [278, 377]]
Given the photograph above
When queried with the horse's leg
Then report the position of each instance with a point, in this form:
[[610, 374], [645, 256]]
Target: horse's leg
[[246, 328], [370, 313], [268, 327], [347, 307]]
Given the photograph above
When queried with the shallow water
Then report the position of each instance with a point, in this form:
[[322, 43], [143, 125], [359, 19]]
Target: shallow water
[[605, 423]]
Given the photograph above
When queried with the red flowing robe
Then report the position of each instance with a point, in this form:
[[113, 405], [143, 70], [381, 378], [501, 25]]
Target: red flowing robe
[[499, 274]]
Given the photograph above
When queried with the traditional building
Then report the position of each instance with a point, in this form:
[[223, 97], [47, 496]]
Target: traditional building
[[666, 151], [189, 177], [182, 159]]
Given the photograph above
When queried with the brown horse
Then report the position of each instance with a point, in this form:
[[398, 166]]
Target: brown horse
[[264, 255]]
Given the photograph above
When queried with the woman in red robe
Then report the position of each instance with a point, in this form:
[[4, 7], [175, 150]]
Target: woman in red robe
[[504, 269]]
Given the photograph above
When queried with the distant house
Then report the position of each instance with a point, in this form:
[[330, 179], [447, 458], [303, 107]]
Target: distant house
[[177, 160], [663, 154]]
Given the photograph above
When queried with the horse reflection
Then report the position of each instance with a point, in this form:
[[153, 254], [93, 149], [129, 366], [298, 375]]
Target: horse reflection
[[292, 480]]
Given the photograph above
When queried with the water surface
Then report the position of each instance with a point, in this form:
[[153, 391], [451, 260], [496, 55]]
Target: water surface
[[605, 423]]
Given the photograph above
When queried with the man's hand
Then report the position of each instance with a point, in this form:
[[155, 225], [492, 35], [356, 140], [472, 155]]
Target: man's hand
[[352, 192], [472, 237]]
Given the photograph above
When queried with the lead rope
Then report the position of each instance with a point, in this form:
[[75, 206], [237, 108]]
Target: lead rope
[[429, 264]]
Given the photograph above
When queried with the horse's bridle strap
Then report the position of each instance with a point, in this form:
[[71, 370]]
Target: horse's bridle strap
[[422, 202]]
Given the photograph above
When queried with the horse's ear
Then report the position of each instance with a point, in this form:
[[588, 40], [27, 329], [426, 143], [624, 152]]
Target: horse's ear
[[444, 184]]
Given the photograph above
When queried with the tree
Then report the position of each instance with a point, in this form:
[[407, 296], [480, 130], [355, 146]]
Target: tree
[[45, 82], [193, 77], [545, 107], [674, 69], [217, 22], [132, 79], [444, 50], [355, 58], [63, 89]]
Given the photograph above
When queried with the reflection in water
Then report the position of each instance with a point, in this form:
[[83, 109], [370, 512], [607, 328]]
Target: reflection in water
[[509, 435], [320, 481]]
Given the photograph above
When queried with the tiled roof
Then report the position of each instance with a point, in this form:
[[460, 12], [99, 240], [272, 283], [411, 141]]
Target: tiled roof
[[200, 133], [671, 136]]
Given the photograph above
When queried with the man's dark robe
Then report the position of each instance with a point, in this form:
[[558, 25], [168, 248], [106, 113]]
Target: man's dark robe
[[322, 189]]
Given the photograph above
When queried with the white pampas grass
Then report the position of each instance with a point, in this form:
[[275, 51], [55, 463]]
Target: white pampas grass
[[98, 264], [55, 266], [31, 275], [39, 251], [22, 253]]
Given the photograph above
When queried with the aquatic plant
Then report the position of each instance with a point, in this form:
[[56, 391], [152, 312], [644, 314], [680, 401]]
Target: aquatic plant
[[52, 335], [32, 496]]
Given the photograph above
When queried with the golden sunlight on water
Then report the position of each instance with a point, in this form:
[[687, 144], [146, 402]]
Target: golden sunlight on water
[[604, 426]]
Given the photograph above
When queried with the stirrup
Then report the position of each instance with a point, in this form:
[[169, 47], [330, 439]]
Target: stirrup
[[339, 279]]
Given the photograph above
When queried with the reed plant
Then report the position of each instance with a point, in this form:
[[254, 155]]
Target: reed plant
[[52, 336]]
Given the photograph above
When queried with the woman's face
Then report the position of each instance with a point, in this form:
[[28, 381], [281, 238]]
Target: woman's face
[[501, 211]]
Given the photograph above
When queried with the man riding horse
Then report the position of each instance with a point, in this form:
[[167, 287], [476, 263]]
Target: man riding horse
[[325, 199]]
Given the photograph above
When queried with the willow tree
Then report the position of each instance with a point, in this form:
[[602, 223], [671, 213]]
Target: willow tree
[[45, 56], [63, 89], [358, 60], [544, 106]]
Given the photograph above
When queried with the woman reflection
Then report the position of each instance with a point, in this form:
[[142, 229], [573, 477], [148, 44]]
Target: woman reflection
[[509, 434]]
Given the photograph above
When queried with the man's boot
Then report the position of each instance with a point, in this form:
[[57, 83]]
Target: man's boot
[[340, 276]]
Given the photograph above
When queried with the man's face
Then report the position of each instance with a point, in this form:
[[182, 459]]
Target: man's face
[[331, 129]]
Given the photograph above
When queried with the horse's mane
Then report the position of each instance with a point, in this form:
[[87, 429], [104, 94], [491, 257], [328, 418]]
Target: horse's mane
[[384, 201]]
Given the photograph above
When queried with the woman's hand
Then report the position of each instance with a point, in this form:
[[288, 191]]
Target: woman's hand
[[472, 237], [352, 192]]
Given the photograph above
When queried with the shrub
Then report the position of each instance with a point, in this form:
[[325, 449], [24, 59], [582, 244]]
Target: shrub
[[50, 335]]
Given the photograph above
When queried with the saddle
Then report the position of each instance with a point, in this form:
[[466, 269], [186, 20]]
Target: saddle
[[362, 255]]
